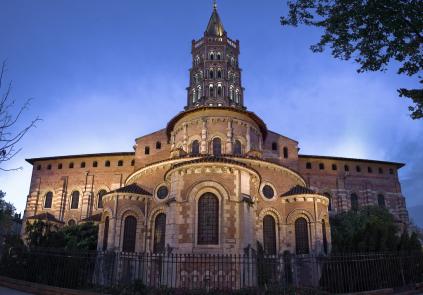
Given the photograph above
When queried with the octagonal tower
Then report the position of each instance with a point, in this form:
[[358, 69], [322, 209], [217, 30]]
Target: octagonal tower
[[215, 76]]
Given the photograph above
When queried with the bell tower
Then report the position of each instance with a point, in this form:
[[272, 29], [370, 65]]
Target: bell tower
[[215, 76]]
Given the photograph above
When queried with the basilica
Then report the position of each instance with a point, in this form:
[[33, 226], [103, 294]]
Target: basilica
[[214, 180]]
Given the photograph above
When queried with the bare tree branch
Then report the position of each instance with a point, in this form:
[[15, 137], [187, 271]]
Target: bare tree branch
[[9, 138]]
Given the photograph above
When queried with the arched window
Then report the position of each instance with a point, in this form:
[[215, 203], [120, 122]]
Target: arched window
[[354, 202], [237, 96], [105, 233], [71, 165], [107, 163], [211, 90], [199, 93], [218, 56], [274, 146], [211, 74], [75, 200], [71, 222], [159, 233], [301, 236], [325, 239], [285, 152], [82, 164], [217, 146], [100, 195], [129, 234], [237, 148], [219, 90], [48, 200], [194, 95], [120, 163], [147, 150], [231, 93], [212, 55], [321, 166], [158, 145], [219, 73], [60, 166], [269, 235], [208, 220], [195, 147], [95, 164], [327, 195], [381, 201]]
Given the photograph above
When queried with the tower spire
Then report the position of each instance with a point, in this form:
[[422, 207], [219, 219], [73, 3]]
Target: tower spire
[[214, 4]]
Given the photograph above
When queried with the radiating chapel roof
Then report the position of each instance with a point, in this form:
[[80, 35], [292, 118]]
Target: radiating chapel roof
[[299, 190]]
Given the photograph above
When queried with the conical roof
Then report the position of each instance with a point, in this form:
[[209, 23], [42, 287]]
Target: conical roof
[[215, 26]]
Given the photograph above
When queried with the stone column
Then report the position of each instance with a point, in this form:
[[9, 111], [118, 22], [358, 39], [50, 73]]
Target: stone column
[[248, 137], [203, 147], [185, 138], [229, 140]]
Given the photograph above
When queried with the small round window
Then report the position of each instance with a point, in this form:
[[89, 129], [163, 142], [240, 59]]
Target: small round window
[[268, 191], [162, 192]]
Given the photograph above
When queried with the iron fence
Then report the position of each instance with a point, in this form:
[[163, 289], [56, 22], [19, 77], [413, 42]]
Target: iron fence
[[332, 274]]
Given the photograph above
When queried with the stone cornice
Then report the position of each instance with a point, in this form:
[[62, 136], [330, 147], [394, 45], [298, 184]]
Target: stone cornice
[[211, 167], [306, 198]]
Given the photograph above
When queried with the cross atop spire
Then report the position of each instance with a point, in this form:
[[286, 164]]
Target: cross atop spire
[[214, 4]]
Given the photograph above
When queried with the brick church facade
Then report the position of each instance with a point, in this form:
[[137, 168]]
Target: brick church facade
[[214, 180]]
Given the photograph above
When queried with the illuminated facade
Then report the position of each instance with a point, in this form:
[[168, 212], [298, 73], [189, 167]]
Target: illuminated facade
[[214, 180]]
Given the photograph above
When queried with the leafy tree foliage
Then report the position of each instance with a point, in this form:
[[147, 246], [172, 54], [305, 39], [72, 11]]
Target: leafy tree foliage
[[46, 235], [7, 211], [370, 229], [373, 32]]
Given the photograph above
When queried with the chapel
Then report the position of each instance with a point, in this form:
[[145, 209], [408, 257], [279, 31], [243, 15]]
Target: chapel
[[215, 179]]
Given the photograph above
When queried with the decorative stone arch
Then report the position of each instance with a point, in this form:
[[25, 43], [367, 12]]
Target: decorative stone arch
[[153, 215], [194, 195], [311, 227], [323, 215], [191, 139], [207, 186], [126, 211], [107, 211], [270, 211], [259, 226], [223, 139], [151, 224], [297, 213]]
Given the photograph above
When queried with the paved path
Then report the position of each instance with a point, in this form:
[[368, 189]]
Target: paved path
[[7, 291]]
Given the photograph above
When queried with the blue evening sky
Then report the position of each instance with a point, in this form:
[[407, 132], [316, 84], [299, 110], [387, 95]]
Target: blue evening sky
[[104, 72]]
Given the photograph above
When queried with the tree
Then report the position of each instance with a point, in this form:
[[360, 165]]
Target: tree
[[47, 235], [373, 32], [7, 211], [370, 229], [9, 138]]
